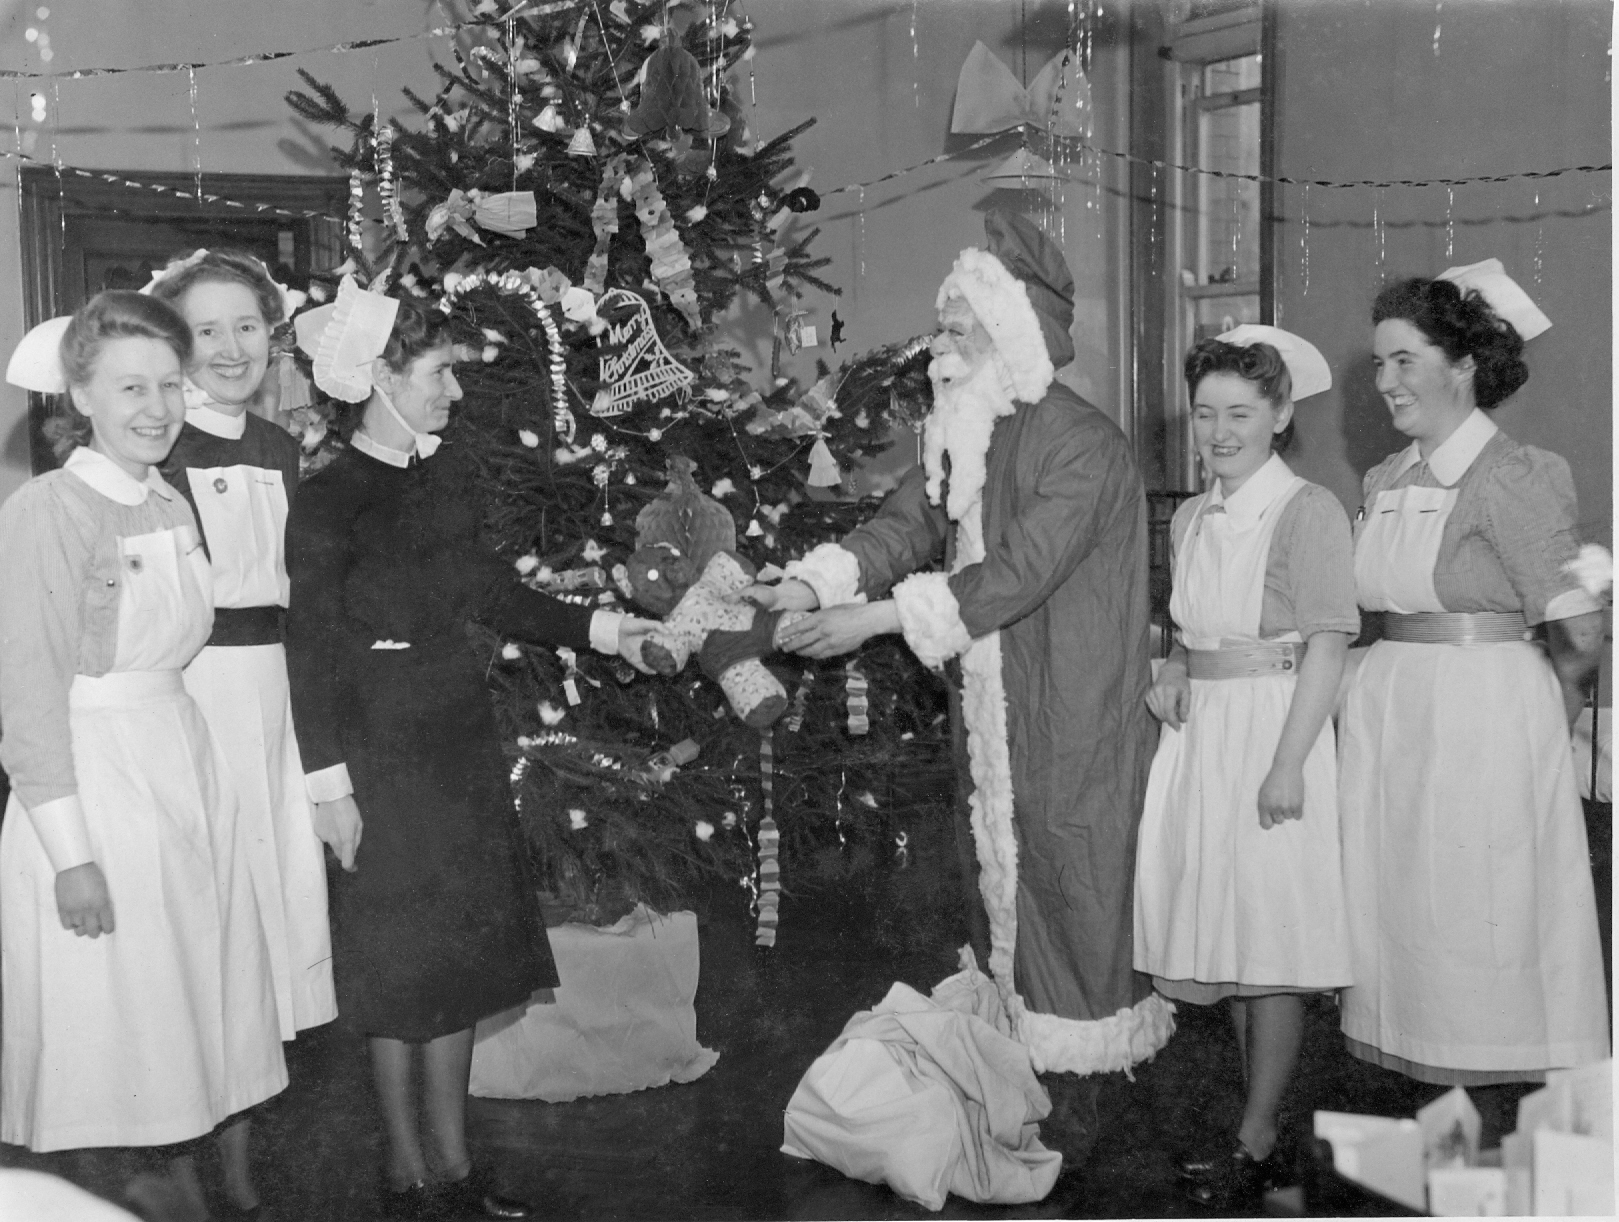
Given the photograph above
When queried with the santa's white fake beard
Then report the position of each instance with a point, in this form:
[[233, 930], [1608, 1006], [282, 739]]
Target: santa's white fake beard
[[966, 403]]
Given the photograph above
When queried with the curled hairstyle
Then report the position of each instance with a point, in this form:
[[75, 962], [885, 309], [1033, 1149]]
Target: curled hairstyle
[[416, 331], [115, 314], [1460, 325], [225, 267], [1260, 365]]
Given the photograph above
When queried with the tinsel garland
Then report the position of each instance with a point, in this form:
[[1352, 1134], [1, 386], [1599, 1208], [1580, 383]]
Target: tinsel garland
[[515, 284], [356, 211], [387, 189]]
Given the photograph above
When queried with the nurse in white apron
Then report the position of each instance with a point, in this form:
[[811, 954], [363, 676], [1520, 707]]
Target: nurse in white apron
[[239, 472], [1472, 918], [1239, 892], [137, 1002]]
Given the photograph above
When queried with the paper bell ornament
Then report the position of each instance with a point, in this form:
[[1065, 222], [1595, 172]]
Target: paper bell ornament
[[582, 144], [823, 472], [1023, 169]]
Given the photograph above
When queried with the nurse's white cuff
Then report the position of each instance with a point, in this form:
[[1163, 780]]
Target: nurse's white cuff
[[329, 784], [61, 829], [604, 631]]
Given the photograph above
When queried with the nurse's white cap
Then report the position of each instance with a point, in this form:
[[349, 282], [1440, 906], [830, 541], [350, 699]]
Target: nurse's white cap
[[36, 363], [343, 338], [1307, 369], [1501, 293]]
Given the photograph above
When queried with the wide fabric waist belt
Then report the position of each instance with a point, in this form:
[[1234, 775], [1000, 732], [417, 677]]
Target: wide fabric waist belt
[[120, 688], [248, 626], [1456, 627], [1245, 661]]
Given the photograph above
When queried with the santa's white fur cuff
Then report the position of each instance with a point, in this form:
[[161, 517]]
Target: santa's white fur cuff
[[930, 618], [1001, 303], [831, 571]]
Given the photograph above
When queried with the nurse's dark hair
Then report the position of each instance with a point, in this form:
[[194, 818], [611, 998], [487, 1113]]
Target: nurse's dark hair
[[1460, 324], [225, 267], [1260, 365], [115, 314], [416, 331]]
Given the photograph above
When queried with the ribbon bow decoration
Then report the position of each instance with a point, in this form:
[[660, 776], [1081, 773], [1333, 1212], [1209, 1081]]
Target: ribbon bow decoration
[[990, 99], [509, 213]]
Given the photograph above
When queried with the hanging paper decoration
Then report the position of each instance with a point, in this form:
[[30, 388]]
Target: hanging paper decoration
[[1023, 169], [604, 221], [854, 684], [794, 721], [523, 285], [356, 210], [990, 99], [671, 262], [769, 846], [672, 99], [387, 188], [642, 368], [823, 472], [509, 213]]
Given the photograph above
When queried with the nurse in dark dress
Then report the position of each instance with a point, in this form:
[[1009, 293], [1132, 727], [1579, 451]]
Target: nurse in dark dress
[[435, 921]]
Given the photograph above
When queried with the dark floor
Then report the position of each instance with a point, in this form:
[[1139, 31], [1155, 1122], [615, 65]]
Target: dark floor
[[711, 1149]]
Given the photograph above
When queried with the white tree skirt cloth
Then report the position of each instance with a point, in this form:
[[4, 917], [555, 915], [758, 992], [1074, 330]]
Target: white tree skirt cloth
[[623, 1019]]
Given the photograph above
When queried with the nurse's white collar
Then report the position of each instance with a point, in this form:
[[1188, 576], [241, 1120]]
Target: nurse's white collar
[[366, 444], [1452, 457], [112, 481], [1245, 505], [211, 420]]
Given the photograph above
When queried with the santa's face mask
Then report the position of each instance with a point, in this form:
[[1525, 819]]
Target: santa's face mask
[[962, 345]]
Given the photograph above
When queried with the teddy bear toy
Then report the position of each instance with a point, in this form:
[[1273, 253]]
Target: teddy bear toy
[[686, 568]]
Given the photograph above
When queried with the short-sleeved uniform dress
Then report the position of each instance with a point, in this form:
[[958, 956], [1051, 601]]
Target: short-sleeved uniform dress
[[158, 1031], [239, 472], [440, 925], [1225, 907], [1472, 919]]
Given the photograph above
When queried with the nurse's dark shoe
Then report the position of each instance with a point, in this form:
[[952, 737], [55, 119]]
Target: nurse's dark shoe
[[474, 1195], [1236, 1183]]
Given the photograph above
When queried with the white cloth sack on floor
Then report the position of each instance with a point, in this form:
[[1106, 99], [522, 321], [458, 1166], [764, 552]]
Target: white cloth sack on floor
[[34, 1196], [623, 1019], [927, 1096]]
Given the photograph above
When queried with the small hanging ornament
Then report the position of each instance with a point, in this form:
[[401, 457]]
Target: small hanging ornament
[[823, 472], [356, 211], [854, 684], [582, 144], [794, 720], [769, 846]]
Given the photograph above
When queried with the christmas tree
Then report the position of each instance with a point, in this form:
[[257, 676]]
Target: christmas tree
[[582, 197]]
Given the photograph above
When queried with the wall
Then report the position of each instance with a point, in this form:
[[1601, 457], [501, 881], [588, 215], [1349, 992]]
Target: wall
[[1367, 90], [881, 95]]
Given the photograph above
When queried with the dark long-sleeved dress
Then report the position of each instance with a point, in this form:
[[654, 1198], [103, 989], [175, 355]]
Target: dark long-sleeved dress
[[440, 925]]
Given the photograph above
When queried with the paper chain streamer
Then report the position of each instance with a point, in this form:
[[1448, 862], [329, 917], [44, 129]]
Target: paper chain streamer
[[604, 221], [671, 261], [769, 845], [514, 283]]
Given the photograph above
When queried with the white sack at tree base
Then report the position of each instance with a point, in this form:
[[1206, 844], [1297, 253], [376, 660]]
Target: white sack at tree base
[[930, 1098], [623, 1019]]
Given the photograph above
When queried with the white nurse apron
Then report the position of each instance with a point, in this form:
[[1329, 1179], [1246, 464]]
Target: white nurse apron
[[243, 693], [1220, 899], [1472, 919], [160, 1030]]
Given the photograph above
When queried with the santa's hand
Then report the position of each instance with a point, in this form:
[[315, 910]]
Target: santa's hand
[[790, 595], [632, 634], [338, 823], [83, 902], [838, 630]]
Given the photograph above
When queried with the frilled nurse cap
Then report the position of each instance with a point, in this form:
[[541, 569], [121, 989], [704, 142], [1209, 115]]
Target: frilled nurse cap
[[1307, 369], [36, 364], [343, 338], [1501, 293]]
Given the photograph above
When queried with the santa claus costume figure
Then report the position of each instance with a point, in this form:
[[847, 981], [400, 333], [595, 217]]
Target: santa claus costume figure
[[1033, 498]]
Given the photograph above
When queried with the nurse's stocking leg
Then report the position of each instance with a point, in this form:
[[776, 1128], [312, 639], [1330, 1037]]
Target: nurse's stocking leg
[[393, 1069], [447, 1065], [1239, 1024], [1275, 1031], [234, 1166]]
